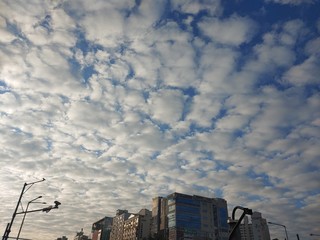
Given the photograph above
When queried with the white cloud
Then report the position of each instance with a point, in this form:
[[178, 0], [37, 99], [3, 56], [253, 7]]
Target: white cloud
[[193, 7], [6, 37], [292, 2], [167, 106], [313, 46], [304, 73], [233, 31]]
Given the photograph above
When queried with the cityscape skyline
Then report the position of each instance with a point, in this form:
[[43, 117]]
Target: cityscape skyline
[[178, 216], [114, 102], [247, 232]]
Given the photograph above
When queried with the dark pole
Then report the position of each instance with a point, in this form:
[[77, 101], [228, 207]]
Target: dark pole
[[8, 229], [25, 213], [235, 225]]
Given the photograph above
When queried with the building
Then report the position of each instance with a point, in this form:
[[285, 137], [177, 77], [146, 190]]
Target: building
[[159, 223], [118, 224], [101, 229], [137, 226], [246, 229], [197, 217], [256, 230]]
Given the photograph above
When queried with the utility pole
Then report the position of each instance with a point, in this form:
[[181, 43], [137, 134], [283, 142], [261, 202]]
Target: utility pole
[[23, 191]]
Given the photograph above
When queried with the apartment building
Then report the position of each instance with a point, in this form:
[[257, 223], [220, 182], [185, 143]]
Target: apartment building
[[137, 226], [256, 230], [118, 224]]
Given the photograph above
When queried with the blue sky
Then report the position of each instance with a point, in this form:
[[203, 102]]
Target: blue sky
[[116, 102]]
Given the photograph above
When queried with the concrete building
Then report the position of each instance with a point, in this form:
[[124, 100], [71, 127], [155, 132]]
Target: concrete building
[[159, 223], [137, 226], [197, 217], [118, 224], [256, 230], [101, 229], [246, 229]]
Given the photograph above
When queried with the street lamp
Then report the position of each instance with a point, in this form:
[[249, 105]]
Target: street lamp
[[23, 191], [285, 229], [234, 224], [314, 234], [25, 213]]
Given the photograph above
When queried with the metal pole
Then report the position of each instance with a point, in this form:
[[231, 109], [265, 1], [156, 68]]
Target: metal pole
[[24, 216], [25, 213], [314, 234], [235, 224], [285, 229], [8, 229]]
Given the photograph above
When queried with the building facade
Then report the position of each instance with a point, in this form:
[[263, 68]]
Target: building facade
[[159, 223], [246, 229], [101, 229], [118, 224], [138, 226], [256, 230], [197, 217]]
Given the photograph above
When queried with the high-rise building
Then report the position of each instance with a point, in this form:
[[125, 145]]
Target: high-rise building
[[118, 224], [256, 230], [197, 217], [159, 223], [101, 229], [246, 229], [137, 226]]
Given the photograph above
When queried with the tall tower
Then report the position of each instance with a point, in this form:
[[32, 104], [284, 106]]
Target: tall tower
[[159, 217]]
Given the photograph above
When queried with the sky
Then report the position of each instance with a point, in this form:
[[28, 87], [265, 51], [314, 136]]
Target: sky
[[116, 102]]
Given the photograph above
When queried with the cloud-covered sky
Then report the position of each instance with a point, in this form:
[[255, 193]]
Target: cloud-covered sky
[[116, 102]]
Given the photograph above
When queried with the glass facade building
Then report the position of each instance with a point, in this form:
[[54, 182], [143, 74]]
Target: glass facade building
[[197, 217]]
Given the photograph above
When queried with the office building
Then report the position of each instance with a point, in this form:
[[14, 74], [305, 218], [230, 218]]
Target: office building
[[101, 229], [159, 223], [197, 217]]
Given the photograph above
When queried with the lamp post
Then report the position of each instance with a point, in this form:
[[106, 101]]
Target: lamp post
[[23, 191], [234, 224], [285, 229], [25, 213]]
